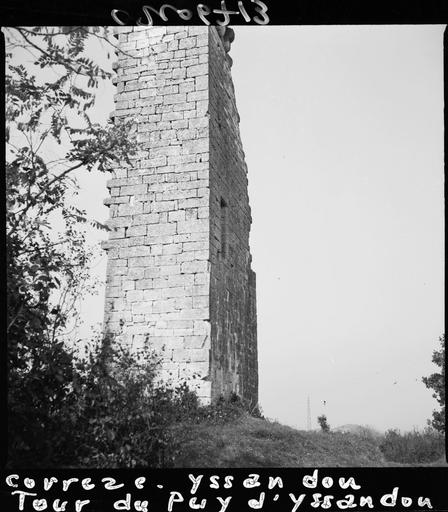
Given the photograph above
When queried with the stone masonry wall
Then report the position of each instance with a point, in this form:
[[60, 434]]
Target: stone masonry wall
[[168, 286], [158, 277], [232, 292]]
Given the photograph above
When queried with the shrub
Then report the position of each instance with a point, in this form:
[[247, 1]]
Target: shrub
[[413, 447], [94, 411], [436, 382], [103, 410], [322, 420], [226, 409]]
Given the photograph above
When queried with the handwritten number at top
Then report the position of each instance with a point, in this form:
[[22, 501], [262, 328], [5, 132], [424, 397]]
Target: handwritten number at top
[[260, 17]]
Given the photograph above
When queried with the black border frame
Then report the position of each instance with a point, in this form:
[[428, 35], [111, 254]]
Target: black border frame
[[412, 481]]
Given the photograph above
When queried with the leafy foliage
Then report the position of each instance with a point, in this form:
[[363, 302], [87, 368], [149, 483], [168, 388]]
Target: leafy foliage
[[323, 423], [436, 382], [47, 112], [413, 447], [104, 410], [44, 116]]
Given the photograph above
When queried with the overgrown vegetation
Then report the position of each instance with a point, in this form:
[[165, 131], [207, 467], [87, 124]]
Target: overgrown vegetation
[[414, 447], [436, 382], [253, 442], [49, 138], [323, 423], [105, 411]]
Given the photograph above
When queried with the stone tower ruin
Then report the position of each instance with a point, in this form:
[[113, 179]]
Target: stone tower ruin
[[179, 277]]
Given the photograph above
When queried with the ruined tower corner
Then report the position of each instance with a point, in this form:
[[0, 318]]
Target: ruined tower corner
[[179, 277]]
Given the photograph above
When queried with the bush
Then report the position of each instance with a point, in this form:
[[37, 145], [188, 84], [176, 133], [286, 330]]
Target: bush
[[99, 410], [123, 419], [323, 423], [436, 382], [103, 410], [226, 409], [413, 447]]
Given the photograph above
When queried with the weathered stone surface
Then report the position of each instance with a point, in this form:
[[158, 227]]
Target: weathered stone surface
[[179, 265]]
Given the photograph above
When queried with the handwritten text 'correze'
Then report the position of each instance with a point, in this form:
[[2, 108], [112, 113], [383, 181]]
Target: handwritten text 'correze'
[[211, 493]]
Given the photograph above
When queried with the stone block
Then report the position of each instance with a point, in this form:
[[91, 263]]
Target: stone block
[[145, 284], [185, 256], [134, 295], [176, 291], [133, 189], [201, 301], [140, 308], [197, 342], [168, 270], [136, 273], [201, 328], [187, 42], [163, 206], [136, 230], [132, 252], [198, 70], [119, 222], [152, 294], [193, 226], [164, 306], [170, 99], [128, 285], [192, 267], [172, 248], [183, 303], [146, 219]]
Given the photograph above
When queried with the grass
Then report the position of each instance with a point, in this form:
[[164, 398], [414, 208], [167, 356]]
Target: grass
[[254, 442]]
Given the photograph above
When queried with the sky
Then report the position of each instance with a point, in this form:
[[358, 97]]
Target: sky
[[342, 128]]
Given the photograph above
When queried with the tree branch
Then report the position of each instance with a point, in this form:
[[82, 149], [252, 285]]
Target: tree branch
[[65, 61]]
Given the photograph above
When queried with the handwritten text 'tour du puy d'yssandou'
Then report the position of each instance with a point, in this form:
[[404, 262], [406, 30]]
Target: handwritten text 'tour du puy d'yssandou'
[[210, 494]]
